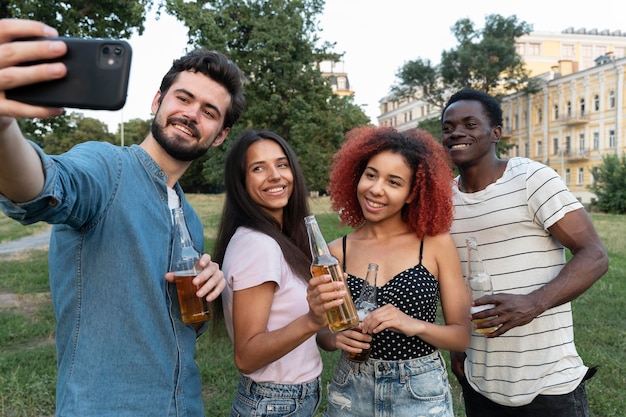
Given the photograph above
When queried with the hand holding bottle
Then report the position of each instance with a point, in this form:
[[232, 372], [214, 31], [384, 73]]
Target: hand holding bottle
[[185, 265], [479, 283]]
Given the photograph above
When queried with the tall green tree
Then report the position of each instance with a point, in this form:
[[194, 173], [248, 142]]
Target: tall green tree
[[276, 45], [485, 59], [84, 18], [609, 184], [78, 129], [135, 131]]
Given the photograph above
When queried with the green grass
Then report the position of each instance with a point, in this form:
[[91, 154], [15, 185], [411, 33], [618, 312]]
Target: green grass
[[27, 354]]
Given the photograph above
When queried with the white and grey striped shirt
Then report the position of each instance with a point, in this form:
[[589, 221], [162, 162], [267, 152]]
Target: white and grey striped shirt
[[510, 219]]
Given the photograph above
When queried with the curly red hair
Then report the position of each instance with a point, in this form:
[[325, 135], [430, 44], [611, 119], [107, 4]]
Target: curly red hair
[[431, 212]]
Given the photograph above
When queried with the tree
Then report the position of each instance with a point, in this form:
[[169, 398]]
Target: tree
[[135, 131], [609, 184], [275, 44], [484, 60], [78, 129], [84, 18]]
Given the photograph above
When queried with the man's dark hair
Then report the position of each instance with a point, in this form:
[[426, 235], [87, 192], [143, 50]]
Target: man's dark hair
[[220, 69], [491, 105]]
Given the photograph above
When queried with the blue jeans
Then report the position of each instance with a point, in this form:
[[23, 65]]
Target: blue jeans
[[573, 404], [268, 399], [379, 388]]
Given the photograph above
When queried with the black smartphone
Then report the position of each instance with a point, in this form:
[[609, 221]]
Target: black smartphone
[[96, 79]]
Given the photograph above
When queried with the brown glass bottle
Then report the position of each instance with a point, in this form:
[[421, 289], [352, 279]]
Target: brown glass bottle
[[344, 316]]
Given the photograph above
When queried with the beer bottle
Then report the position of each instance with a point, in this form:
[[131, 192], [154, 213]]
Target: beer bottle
[[479, 282], [183, 263], [344, 316], [365, 304]]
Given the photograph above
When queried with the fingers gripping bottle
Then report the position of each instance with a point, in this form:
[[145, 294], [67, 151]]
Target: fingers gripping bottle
[[365, 304], [184, 265], [479, 282], [344, 316]]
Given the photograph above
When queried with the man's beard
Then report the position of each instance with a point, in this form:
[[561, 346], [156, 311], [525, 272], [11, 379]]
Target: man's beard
[[175, 146]]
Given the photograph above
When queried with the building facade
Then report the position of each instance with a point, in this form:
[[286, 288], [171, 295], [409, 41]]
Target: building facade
[[576, 118]]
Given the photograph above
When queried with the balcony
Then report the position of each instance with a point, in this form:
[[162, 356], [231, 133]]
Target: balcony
[[574, 154], [579, 155], [574, 119]]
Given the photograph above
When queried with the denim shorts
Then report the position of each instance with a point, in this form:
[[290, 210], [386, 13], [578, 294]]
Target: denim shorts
[[377, 388], [268, 399]]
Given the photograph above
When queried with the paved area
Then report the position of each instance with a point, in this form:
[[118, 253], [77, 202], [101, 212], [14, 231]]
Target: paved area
[[37, 241]]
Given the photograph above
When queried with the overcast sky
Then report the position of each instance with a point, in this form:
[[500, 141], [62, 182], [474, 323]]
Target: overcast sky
[[377, 36]]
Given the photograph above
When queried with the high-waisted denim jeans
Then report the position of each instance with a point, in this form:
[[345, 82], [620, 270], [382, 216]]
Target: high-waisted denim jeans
[[268, 399], [378, 388]]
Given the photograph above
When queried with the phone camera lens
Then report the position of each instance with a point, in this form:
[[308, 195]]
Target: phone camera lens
[[106, 50], [118, 50]]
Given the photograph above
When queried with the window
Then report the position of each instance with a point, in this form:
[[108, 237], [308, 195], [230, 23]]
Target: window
[[612, 142], [581, 145], [539, 148], [581, 108], [612, 100], [581, 176], [556, 112], [596, 102], [342, 83], [568, 109], [539, 115], [567, 51], [516, 121], [567, 176], [555, 146], [568, 144], [527, 149], [534, 49], [596, 140]]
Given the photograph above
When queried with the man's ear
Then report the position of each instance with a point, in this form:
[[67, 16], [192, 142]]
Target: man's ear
[[497, 133], [221, 137], [156, 102]]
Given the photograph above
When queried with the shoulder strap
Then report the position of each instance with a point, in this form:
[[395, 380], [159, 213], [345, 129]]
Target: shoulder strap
[[343, 244], [421, 250]]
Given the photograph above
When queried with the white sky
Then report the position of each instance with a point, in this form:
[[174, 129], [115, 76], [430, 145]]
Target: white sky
[[377, 36]]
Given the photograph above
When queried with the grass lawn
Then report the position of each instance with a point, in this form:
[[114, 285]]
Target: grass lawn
[[27, 353]]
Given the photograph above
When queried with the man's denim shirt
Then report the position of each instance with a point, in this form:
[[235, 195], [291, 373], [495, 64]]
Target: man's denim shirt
[[122, 348]]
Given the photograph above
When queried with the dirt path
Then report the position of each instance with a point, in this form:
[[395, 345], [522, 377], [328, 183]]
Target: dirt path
[[23, 303]]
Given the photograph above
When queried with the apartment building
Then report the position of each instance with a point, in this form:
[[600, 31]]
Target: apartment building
[[575, 119], [578, 115], [337, 76]]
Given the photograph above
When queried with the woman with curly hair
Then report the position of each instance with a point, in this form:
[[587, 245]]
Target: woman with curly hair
[[394, 189]]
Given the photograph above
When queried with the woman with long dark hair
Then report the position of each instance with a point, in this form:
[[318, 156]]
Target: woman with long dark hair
[[263, 247]]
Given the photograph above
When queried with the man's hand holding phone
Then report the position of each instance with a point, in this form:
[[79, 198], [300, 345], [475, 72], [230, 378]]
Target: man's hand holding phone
[[60, 72], [14, 74]]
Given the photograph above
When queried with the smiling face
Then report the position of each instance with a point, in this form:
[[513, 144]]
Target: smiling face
[[385, 186], [467, 134], [189, 117], [269, 179]]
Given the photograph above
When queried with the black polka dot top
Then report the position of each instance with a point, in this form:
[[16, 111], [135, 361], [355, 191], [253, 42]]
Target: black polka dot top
[[414, 291]]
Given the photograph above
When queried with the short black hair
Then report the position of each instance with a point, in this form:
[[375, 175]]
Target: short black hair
[[491, 105]]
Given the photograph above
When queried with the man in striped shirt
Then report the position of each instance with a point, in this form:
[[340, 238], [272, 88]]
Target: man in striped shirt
[[523, 216]]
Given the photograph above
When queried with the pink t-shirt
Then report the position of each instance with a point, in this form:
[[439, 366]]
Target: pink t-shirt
[[251, 259]]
